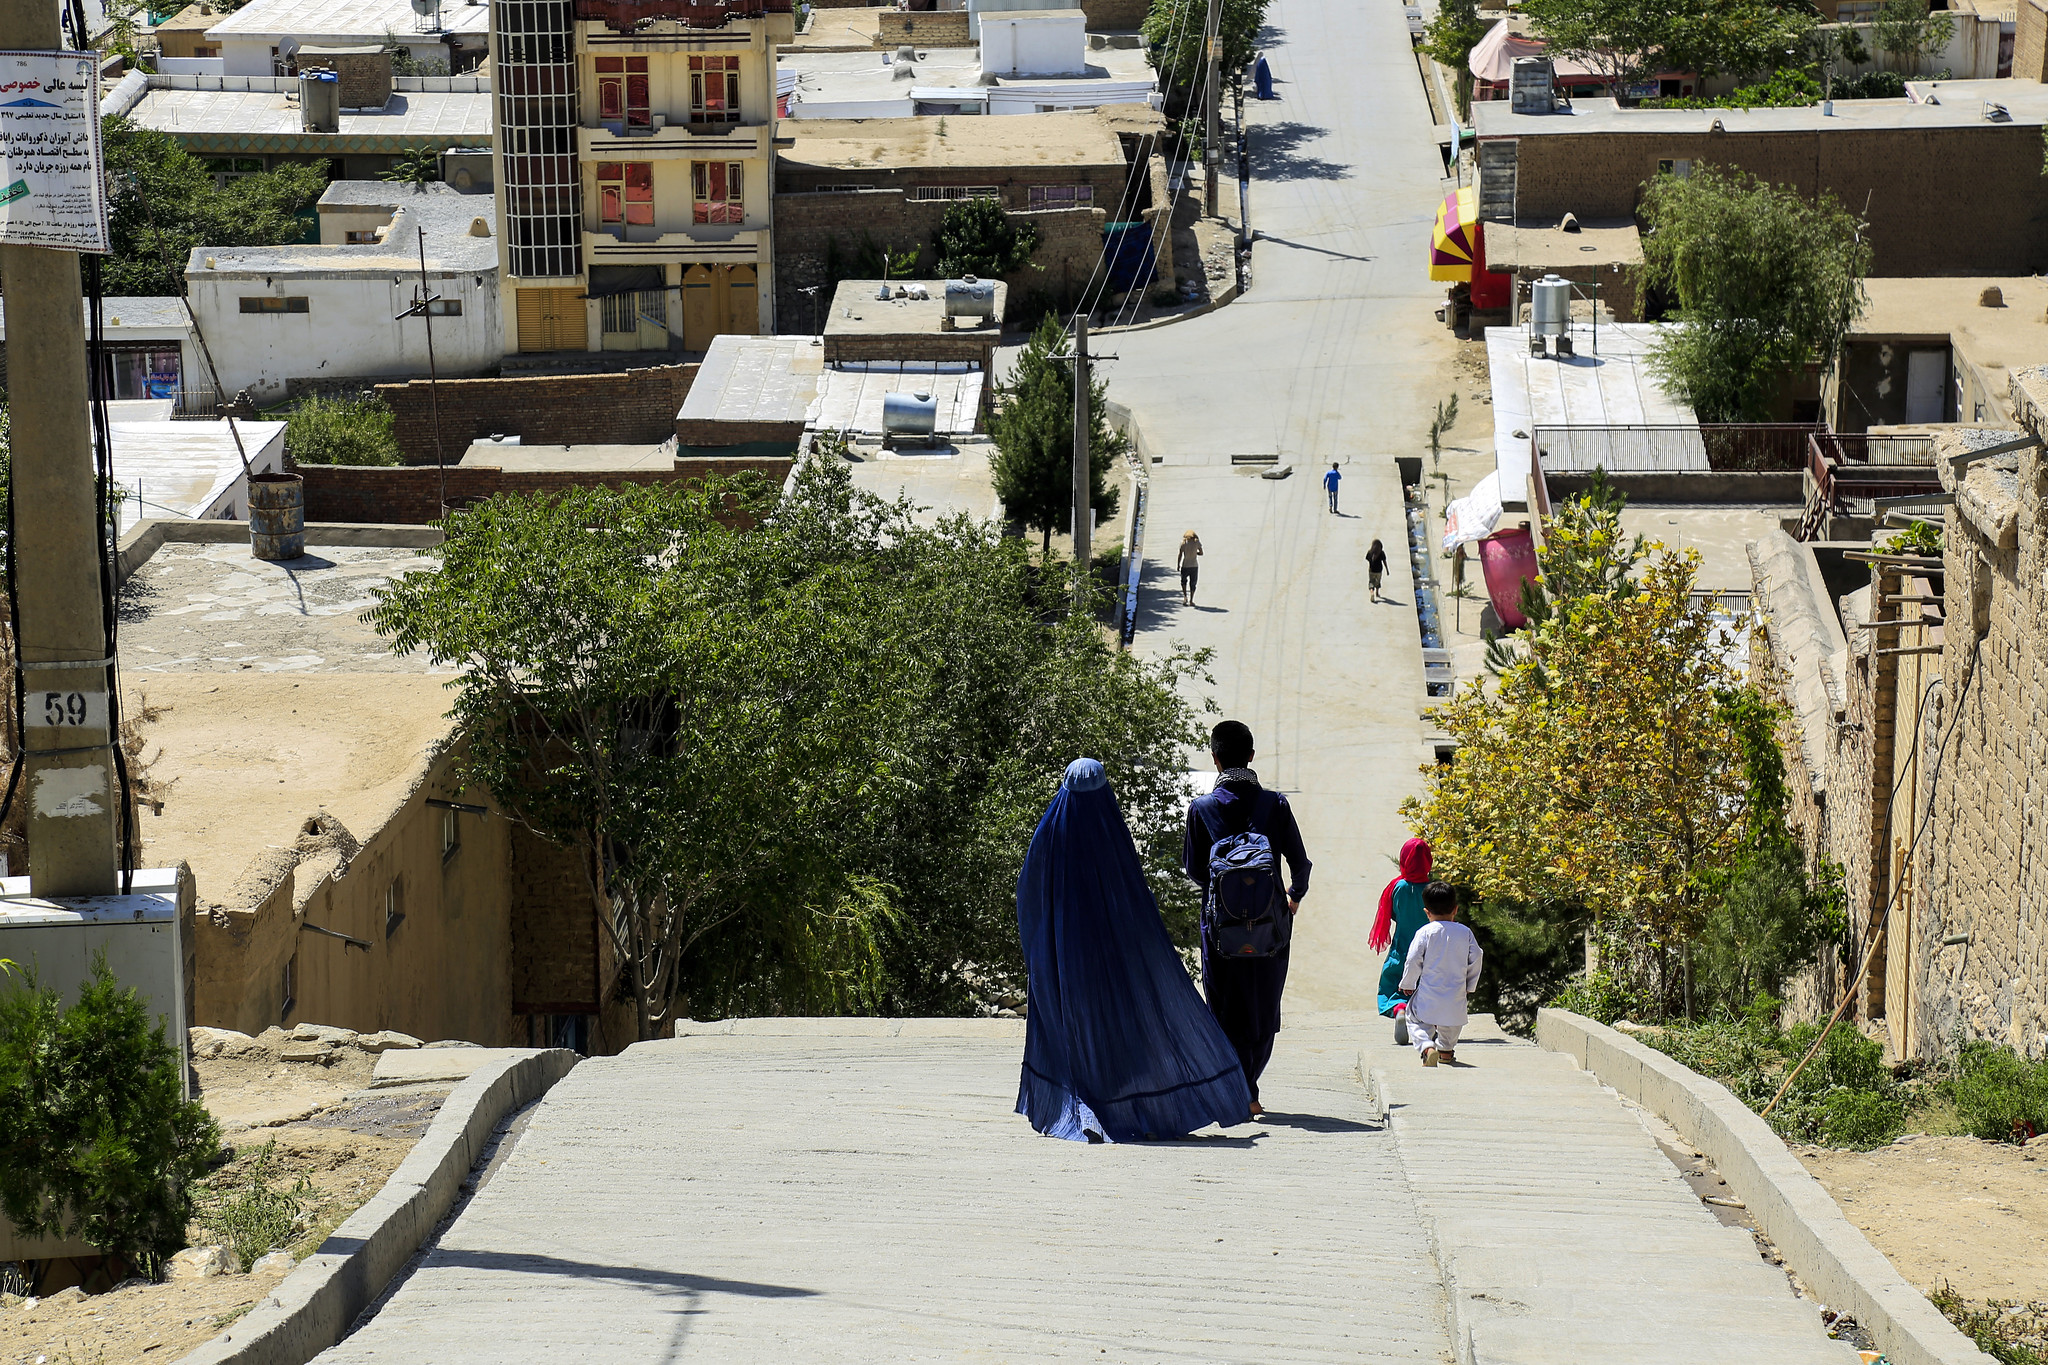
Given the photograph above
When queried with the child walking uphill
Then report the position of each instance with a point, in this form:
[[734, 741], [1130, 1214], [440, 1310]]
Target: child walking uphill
[[1442, 969]]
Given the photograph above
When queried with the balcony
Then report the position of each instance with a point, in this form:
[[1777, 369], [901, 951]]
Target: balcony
[[654, 247], [674, 142]]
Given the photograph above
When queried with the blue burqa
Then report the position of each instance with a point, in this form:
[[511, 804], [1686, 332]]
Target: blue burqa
[[1117, 1043]]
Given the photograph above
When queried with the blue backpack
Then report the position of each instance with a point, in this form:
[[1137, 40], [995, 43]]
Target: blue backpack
[[1245, 913]]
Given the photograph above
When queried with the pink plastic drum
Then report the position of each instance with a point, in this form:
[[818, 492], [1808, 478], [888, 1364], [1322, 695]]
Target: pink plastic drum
[[1508, 557]]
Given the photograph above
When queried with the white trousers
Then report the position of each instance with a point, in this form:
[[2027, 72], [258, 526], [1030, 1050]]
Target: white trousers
[[1442, 1037]]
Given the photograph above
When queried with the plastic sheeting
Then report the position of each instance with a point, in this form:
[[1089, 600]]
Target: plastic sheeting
[[1473, 516]]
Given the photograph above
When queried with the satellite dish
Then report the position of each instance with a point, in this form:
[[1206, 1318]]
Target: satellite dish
[[288, 48], [426, 8]]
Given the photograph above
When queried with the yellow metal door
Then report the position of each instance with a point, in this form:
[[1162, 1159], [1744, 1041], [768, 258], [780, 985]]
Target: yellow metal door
[[742, 300], [700, 309], [551, 320]]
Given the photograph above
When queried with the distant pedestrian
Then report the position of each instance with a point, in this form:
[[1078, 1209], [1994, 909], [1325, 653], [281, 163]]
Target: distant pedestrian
[[1443, 968], [1330, 481], [1375, 568], [1190, 566], [1243, 987]]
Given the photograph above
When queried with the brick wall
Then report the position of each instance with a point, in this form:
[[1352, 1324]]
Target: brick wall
[[629, 408], [554, 929], [1069, 243], [934, 28], [1906, 176], [1105, 16], [412, 496], [2030, 42], [979, 347]]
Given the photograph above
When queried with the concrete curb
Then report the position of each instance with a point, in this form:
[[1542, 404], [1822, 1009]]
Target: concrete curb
[[849, 1026], [315, 1305], [1829, 1253]]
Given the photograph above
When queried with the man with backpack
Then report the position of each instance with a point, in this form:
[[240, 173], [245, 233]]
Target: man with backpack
[[1236, 838]]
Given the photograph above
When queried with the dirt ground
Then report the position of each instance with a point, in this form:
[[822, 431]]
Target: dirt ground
[[1951, 1210], [344, 1148]]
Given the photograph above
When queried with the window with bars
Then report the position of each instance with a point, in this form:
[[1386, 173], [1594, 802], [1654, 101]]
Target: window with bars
[[1061, 196], [715, 192], [625, 193], [714, 89], [622, 93], [929, 192], [270, 303]]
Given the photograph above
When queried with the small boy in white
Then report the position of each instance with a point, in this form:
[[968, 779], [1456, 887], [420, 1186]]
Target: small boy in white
[[1442, 969]]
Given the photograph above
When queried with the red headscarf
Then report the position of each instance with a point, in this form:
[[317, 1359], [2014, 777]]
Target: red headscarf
[[1414, 868]]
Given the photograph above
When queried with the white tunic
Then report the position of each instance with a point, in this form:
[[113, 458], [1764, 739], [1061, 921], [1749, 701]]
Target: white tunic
[[1442, 969]]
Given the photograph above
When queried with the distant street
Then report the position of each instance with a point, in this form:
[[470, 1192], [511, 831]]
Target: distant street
[[1333, 354]]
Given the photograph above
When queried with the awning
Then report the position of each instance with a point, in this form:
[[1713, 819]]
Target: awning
[[1493, 57], [1454, 242]]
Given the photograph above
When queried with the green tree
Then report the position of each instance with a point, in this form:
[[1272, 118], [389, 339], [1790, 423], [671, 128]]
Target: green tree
[[1174, 31], [1034, 437], [1906, 30], [165, 204], [1630, 43], [418, 168], [1766, 281], [977, 238], [353, 431], [1449, 40], [97, 1140]]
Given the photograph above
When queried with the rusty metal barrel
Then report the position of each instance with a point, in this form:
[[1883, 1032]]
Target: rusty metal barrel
[[277, 516]]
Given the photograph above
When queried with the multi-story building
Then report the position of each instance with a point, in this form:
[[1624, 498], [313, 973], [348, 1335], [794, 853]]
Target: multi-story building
[[634, 151]]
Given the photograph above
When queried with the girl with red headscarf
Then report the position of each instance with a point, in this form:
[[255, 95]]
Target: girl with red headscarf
[[1401, 914]]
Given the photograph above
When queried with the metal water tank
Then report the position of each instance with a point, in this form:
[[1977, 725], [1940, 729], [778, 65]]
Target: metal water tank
[[1550, 307], [1531, 86], [969, 297], [319, 102], [909, 415]]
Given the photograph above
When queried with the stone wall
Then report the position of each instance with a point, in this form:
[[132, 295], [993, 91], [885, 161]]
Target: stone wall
[[932, 28], [807, 226], [1898, 172], [1109, 16], [412, 495], [633, 407]]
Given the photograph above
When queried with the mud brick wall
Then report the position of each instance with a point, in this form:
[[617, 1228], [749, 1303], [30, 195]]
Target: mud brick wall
[[628, 408], [2030, 42], [1106, 16], [554, 929], [1069, 240], [412, 495], [1993, 167], [933, 28]]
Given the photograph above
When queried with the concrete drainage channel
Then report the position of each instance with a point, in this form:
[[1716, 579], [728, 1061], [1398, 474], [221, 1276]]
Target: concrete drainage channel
[[1438, 675], [322, 1300]]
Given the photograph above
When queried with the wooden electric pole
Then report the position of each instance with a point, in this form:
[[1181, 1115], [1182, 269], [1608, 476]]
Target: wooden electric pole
[[1084, 520], [68, 775], [1212, 134]]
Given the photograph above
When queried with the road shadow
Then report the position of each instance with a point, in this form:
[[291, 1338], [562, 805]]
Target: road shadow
[[1316, 1123], [1277, 155], [1159, 603], [1304, 246], [1270, 37]]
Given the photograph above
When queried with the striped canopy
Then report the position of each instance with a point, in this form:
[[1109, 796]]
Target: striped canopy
[[1454, 242]]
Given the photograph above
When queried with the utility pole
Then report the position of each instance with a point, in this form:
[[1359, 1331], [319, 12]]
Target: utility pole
[[1212, 137], [1084, 520], [68, 775], [422, 307]]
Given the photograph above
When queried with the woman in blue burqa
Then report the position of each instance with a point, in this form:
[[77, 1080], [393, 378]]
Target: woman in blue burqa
[[1117, 1043]]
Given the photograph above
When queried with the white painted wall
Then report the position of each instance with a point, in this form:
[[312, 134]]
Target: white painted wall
[[250, 56], [1047, 43], [350, 329]]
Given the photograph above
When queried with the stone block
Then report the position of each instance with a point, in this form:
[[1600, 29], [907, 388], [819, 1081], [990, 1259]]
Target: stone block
[[197, 1263]]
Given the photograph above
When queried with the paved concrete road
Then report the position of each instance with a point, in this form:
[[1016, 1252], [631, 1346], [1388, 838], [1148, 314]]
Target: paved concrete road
[[826, 1196], [1333, 355]]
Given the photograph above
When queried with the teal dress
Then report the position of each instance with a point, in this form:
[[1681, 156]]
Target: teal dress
[[1408, 917]]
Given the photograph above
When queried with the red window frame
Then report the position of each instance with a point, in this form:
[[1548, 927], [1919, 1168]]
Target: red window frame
[[622, 92], [717, 192], [714, 89], [625, 193]]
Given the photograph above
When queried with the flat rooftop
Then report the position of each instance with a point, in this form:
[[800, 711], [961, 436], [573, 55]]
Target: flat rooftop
[[845, 77], [182, 469], [850, 396], [1076, 139], [1956, 104], [133, 314], [856, 311], [1996, 340], [609, 459], [317, 21], [449, 218], [1526, 244], [1720, 534], [268, 120], [755, 379], [1610, 389]]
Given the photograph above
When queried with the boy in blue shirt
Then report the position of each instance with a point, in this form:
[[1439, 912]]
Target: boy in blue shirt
[[1330, 482]]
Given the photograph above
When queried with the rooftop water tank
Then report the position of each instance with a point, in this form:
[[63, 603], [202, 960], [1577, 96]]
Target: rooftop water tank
[[1531, 86], [969, 297], [319, 102], [1550, 307], [911, 415]]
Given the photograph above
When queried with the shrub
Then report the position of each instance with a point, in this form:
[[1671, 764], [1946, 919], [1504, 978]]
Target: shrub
[[250, 1216], [355, 431], [97, 1140], [1600, 996], [1999, 1095], [1860, 1118]]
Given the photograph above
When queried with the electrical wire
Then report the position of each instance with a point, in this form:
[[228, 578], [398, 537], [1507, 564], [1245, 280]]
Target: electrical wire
[[104, 525]]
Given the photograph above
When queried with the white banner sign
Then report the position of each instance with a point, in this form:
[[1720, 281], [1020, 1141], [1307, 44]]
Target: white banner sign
[[52, 174]]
